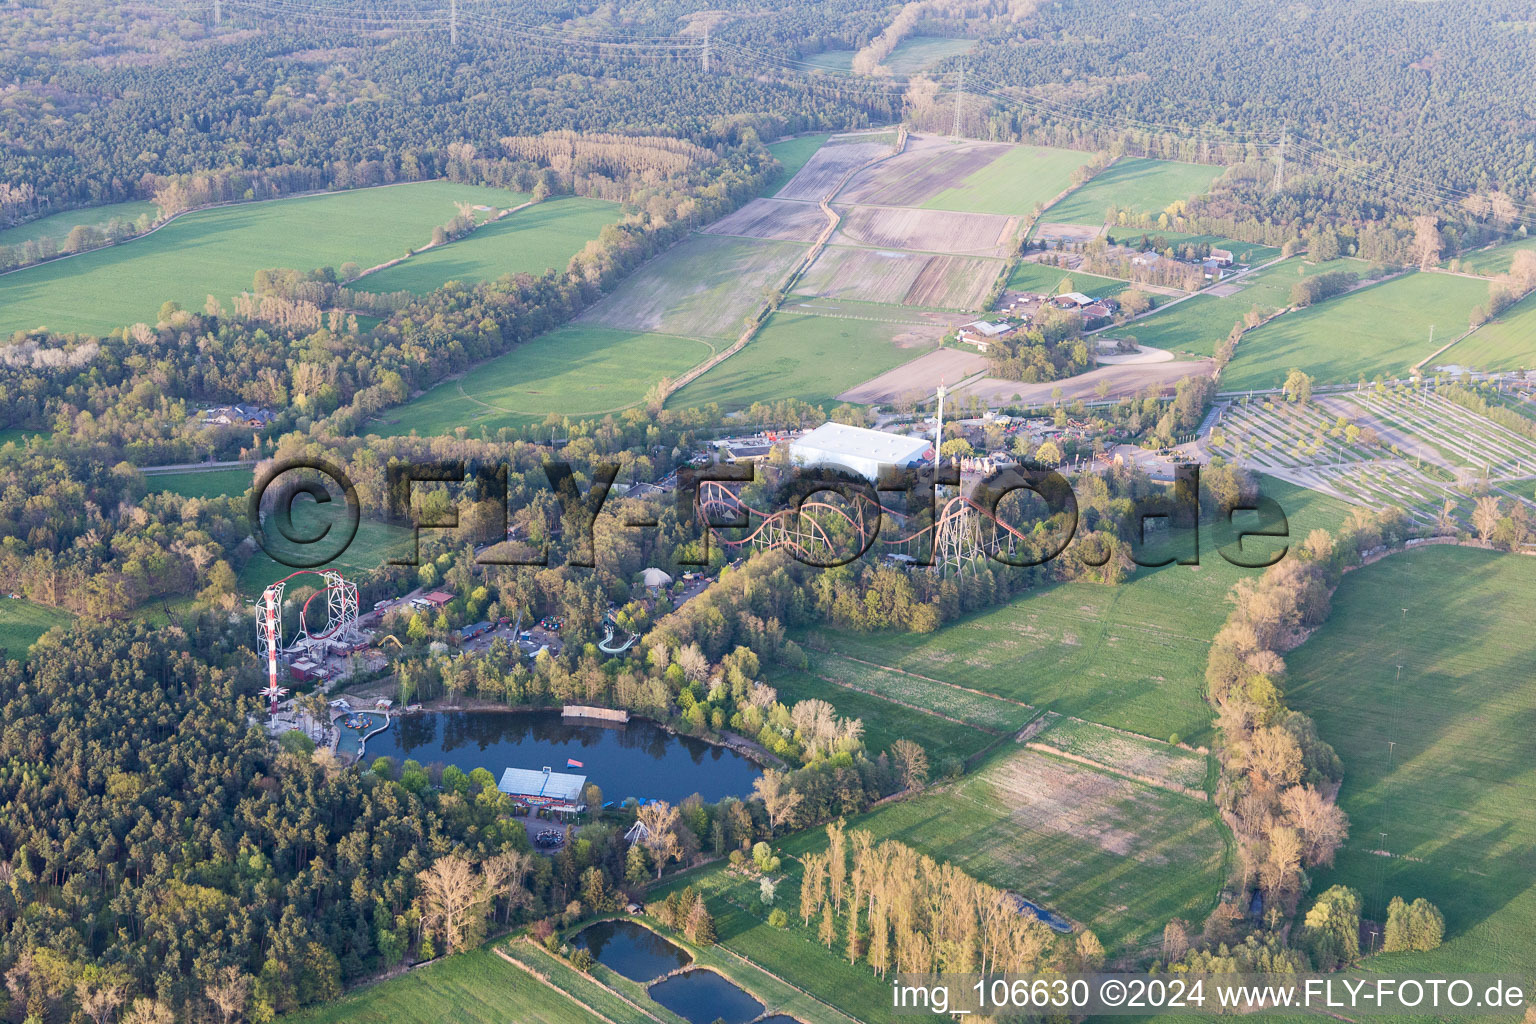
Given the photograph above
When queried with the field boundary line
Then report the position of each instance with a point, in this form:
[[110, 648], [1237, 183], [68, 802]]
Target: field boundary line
[[572, 996], [926, 679], [911, 707], [1171, 787], [539, 976]]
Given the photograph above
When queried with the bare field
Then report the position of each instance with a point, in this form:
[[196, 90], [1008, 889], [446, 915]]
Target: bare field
[[827, 167], [918, 375], [905, 278], [701, 288], [1074, 233], [928, 166], [773, 218], [976, 234], [1125, 381]]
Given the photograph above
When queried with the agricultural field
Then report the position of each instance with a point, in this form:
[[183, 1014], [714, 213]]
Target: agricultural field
[[792, 155], [1112, 854], [974, 234], [1489, 262], [811, 357], [901, 278], [22, 622], [214, 483], [576, 370], [885, 722], [1131, 656], [1146, 186], [477, 987], [1149, 760], [1013, 183], [1508, 343], [829, 163], [705, 287], [916, 377], [927, 166], [57, 226], [1436, 760], [773, 218], [979, 710], [217, 252], [531, 241], [1382, 328]]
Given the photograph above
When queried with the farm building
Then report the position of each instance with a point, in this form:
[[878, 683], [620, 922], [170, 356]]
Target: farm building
[[1223, 257], [1146, 259], [981, 333], [1072, 300], [237, 416], [558, 791], [858, 449]]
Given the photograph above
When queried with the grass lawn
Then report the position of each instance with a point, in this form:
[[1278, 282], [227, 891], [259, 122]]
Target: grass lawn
[[374, 544], [1013, 183], [1508, 343], [1439, 760], [58, 225], [1037, 277], [799, 355], [1381, 328], [1130, 656], [214, 483], [477, 987], [218, 251], [530, 241], [1493, 261], [915, 53], [885, 721], [576, 370], [792, 154], [22, 622], [1146, 186]]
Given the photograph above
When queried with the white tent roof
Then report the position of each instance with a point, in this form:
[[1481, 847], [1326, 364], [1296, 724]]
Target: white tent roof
[[831, 440], [654, 577]]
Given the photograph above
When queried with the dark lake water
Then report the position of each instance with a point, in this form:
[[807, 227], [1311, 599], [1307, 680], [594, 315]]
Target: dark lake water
[[703, 997], [635, 952], [639, 759]]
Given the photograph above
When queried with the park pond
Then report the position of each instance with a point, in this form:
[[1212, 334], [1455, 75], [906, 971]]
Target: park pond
[[639, 759], [702, 996], [631, 949]]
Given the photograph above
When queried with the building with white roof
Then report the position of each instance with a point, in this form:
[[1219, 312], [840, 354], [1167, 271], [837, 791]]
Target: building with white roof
[[858, 449], [558, 791]]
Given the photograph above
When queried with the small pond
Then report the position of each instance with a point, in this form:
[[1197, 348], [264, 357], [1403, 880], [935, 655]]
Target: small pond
[[704, 997], [635, 952], [639, 759]]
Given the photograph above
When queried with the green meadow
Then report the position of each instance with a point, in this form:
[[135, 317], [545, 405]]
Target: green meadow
[[1497, 259], [1037, 277], [218, 251], [22, 622], [374, 544], [792, 154], [1382, 328], [1508, 343], [576, 370], [800, 355], [1146, 186], [1131, 656], [213, 483], [1014, 183], [58, 225], [530, 241], [911, 55], [1437, 758]]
